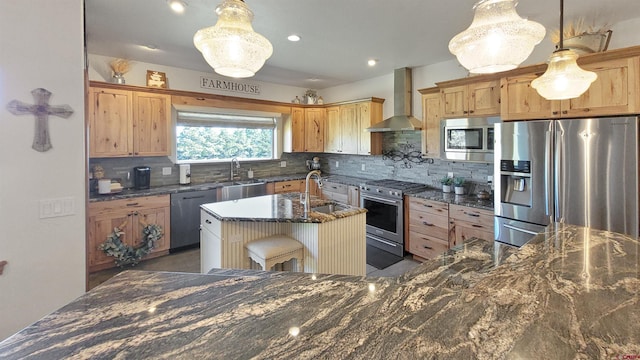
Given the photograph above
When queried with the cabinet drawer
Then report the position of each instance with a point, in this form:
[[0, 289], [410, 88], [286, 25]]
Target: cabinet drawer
[[426, 246], [288, 186], [143, 202], [429, 206], [335, 188], [428, 224], [464, 233], [471, 215], [209, 223]]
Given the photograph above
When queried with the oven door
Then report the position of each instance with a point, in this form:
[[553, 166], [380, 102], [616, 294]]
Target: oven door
[[384, 217]]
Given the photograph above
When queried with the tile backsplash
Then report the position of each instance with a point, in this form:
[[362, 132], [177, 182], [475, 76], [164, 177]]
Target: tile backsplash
[[401, 161]]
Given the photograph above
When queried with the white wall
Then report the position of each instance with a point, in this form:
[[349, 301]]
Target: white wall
[[188, 80], [42, 46]]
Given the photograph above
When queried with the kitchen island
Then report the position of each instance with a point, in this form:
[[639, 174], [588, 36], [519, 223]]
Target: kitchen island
[[334, 239], [571, 293]]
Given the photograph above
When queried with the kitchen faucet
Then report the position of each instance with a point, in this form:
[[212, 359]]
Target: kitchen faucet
[[233, 174], [306, 201]]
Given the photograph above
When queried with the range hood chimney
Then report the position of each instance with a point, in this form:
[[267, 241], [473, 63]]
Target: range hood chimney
[[401, 119]]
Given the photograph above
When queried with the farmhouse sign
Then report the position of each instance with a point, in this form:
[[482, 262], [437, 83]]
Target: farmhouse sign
[[229, 85]]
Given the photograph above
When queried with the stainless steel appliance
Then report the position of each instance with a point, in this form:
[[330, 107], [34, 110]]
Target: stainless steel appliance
[[141, 177], [577, 171], [185, 216], [383, 200], [468, 139]]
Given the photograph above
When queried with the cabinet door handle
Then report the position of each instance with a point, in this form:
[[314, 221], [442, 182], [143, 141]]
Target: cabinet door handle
[[208, 221], [470, 111], [474, 215], [565, 111], [465, 112], [132, 204], [426, 223], [476, 225], [429, 206], [555, 113], [587, 109]]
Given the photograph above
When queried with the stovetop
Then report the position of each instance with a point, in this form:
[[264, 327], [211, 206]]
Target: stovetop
[[389, 187]]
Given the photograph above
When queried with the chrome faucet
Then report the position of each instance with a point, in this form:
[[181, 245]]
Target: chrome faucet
[[306, 201], [233, 174]]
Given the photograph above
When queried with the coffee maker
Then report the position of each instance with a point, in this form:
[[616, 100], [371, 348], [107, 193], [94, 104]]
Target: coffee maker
[[141, 177]]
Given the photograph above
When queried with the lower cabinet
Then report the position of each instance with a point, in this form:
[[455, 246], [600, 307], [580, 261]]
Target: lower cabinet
[[345, 194], [282, 187], [428, 227], [131, 216], [433, 227], [467, 222]]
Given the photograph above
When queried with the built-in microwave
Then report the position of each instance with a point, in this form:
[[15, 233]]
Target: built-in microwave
[[467, 139]]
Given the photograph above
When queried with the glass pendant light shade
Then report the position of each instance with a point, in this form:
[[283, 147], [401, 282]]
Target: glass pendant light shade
[[497, 40], [231, 47], [564, 79]]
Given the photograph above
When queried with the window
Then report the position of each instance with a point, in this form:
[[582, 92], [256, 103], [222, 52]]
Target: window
[[207, 137]]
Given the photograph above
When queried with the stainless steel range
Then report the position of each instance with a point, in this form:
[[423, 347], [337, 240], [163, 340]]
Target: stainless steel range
[[383, 200]]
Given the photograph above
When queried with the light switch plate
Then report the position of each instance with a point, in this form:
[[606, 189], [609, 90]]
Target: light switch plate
[[283, 164], [363, 167], [56, 207], [450, 174], [166, 171], [337, 164]]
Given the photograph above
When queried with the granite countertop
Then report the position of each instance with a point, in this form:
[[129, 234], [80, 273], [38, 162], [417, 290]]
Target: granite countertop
[[570, 293], [174, 189], [451, 198], [277, 208]]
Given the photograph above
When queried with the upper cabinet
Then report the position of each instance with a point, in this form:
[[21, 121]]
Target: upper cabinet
[[615, 92], [307, 129], [346, 128], [474, 99], [128, 123], [431, 117]]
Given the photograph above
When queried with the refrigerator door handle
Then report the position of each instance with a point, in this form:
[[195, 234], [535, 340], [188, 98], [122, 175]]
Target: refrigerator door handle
[[520, 229], [548, 173], [559, 174]]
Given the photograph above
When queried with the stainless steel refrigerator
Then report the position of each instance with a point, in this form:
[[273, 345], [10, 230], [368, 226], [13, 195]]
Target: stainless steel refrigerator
[[576, 171]]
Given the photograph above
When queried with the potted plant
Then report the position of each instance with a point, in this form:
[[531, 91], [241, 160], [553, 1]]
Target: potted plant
[[446, 184], [458, 184]]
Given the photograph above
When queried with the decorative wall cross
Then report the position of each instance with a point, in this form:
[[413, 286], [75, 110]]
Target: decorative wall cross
[[41, 109]]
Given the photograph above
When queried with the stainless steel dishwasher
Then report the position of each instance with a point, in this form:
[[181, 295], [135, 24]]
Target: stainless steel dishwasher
[[185, 216]]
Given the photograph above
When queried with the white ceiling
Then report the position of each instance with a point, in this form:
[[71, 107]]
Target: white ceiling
[[338, 36]]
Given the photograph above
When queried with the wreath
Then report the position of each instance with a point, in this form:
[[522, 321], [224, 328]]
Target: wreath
[[131, 255]]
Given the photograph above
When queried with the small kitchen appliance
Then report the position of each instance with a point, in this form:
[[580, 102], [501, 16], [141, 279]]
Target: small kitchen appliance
[[185, 174], [141, 177]]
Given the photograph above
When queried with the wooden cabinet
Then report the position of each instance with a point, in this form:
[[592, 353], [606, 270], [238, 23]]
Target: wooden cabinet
[[467, 222], [314, 130], [346, 124], [431, 122], [282, 187], [616, 91], [128, 123], [428, 227], [341, 193], [131, 215], [475, 99], [307, 129]]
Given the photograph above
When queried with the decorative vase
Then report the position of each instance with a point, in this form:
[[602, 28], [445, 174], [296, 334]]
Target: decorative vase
[[459, 190], [446, 188], [118, 78]]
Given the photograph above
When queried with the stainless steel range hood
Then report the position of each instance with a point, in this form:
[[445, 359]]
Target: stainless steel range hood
[[401, 119]]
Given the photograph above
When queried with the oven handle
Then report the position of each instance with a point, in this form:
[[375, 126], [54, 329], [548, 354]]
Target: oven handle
[[382, 241], [386, 201]]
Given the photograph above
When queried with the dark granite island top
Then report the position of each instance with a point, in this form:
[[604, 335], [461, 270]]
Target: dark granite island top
[[277, 208], [571, 293]]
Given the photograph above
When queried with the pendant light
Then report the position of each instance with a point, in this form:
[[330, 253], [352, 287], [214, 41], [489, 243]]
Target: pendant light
[[497, 40], [564, 79], [231, 47]]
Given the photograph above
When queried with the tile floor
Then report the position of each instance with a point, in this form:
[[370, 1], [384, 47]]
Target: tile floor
[[189, 261]]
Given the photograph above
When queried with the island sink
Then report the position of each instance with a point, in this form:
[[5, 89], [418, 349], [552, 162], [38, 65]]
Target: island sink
[[329, 208], [234, 190]]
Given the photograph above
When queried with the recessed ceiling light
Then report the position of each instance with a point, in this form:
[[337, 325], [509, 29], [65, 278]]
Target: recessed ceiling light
[[293, 37], [372, 62], [177, 6]]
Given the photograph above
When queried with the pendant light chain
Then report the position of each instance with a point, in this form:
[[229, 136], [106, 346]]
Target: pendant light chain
[[561, 44]]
